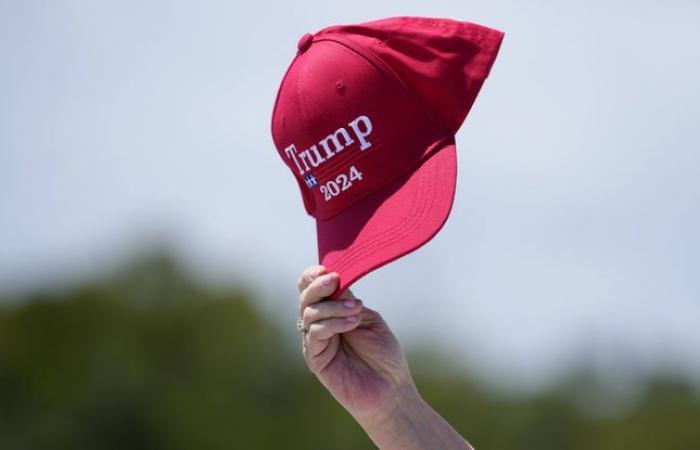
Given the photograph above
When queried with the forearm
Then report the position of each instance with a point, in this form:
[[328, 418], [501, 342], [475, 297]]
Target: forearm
[[411, 424]]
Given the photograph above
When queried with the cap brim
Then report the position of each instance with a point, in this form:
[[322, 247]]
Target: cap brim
[[391, 222]]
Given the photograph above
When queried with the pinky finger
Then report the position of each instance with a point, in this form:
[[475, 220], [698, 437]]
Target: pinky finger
[[323, 330]]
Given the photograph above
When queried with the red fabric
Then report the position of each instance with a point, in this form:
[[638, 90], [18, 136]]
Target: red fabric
[[443, 61], [365, 119]]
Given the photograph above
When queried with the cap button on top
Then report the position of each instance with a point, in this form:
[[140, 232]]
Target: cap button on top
[[305, 42]]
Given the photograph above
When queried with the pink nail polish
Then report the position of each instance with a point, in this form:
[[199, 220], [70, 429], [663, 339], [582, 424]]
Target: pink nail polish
[[327, 280], [351, 318], [350, 303]]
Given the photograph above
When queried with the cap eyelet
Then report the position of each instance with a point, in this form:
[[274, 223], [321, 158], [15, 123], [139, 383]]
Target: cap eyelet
[[305, 42], [340, 86]]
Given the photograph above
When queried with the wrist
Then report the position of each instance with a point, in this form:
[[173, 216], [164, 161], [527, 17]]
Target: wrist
[[397, 424], [404, 403], [409, 423]]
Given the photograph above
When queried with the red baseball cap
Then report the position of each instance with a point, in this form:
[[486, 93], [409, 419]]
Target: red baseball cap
[[365, 118]]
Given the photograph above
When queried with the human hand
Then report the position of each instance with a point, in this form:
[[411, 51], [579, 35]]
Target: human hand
[[357, 358], [351, 349]]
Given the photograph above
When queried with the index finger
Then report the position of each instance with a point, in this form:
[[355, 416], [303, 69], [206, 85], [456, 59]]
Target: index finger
[[320, 289], [317, 290]]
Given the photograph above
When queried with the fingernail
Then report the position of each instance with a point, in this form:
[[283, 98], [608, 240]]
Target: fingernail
[[351, 318], [350, 303], [327, 280]]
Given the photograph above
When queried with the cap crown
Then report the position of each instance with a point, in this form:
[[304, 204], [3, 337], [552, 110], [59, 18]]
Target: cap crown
[[346, 125], [362, 105]]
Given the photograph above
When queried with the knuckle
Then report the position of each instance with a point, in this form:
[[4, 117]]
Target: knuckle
[[314, 330], [309, 314], [307, 295], [311, 273], [319, 331]]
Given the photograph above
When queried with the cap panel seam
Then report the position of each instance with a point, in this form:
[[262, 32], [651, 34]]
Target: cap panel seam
[[304, 122], [340, 159], [384, 68], [306, 197], [441, 134]]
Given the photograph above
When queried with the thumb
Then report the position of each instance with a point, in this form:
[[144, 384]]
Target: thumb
[[347, 293]]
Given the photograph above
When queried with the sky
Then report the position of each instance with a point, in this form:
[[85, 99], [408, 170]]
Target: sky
[[575, 227]]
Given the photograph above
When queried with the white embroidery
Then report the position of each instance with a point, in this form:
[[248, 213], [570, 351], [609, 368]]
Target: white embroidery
[[312, 157]]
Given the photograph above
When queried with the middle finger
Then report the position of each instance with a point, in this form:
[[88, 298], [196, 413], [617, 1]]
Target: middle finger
[[329, 309]]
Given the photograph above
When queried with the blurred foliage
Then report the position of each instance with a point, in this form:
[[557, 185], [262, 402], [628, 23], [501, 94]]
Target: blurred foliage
[[150, 360]]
